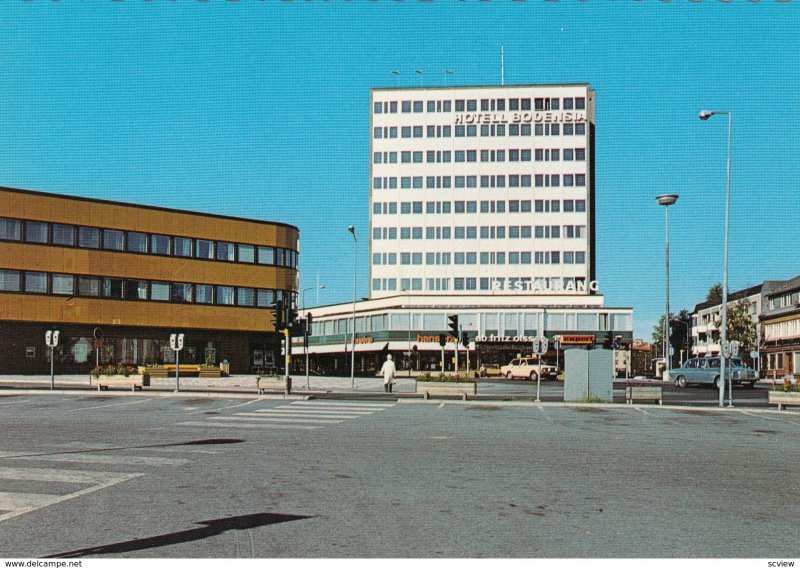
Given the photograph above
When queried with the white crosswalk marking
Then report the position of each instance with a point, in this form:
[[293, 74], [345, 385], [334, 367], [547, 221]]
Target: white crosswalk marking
[[303, 419], [301, 415], [94, 458], [246, 425], [14, 467]]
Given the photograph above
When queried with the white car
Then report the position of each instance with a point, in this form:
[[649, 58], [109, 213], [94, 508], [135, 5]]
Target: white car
[[527, 368]]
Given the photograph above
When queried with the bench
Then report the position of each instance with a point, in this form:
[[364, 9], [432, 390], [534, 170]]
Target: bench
[[133, 382], [187, 370], [427, 389], [273, 384], [643, 393], [782, 398]]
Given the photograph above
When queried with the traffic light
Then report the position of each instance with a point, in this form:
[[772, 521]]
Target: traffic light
[[294, 325], [465, 339], [277, 315], [309, 321], [442, 340], [453, 325]]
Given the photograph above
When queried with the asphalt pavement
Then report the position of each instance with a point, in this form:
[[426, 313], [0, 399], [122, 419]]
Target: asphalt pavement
[[195, 476]]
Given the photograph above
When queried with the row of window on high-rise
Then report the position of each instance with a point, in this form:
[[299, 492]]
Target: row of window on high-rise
[[464, 156], [31, 282], [486, 232], [469, 207], [470, 283], [486, 257], [486, 130], [483, 181], [484, 104], [58, 234]]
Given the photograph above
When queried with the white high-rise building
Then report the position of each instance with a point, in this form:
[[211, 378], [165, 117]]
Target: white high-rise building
[[482, 190]]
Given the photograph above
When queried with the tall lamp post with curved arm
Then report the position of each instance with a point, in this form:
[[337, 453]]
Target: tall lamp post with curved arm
[[723, 332], [352, 230], [666, 201]]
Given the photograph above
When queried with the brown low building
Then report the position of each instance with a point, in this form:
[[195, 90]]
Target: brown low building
[[116, 279], [780, 329]]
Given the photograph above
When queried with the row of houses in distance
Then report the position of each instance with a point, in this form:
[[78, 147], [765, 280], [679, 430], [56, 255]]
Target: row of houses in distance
[[774, 308]]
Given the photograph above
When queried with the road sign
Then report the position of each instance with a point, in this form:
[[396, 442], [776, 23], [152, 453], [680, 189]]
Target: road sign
[[753, 354]]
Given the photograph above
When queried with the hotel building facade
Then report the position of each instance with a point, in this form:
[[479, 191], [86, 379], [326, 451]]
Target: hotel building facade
[[482, 206], [117, 279]]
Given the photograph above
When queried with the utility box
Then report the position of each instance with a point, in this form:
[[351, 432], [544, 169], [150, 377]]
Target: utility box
[[588, 374]]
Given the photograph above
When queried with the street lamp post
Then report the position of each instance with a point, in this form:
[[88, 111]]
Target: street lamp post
[[723, 334], [352, 230], [666, 201]]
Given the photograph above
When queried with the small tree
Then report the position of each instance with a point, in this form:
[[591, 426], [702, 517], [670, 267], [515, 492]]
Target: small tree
[[742, 328], [715, 293]]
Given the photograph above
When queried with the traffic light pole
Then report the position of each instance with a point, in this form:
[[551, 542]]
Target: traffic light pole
[[458, 340]]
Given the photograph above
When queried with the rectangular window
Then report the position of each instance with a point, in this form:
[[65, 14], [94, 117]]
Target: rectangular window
[[10, 280], [10, 230], [266, 255], [88, 286], [113, 239], [36, 232], [36, 282], [160, 244], [135, 290], [225, 251], [159, 291], [181, 293], [63, 284], [136, 242], [112, 288], [247, 253], [245, 296], [204, 294], [204, 249], [265, 297], [225, 296], [64, 235]]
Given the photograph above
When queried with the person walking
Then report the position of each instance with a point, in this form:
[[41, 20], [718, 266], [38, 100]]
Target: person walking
[[388, 371]]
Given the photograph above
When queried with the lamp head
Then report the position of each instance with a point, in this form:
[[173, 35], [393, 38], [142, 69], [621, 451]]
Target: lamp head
[[667, 200], [706, 114], [352, 229]]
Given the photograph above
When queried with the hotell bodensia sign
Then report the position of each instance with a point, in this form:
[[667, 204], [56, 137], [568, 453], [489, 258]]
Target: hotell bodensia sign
[[519, 117]]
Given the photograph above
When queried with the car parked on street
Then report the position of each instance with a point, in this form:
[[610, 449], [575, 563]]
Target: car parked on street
[[527, 368], [706, 371]]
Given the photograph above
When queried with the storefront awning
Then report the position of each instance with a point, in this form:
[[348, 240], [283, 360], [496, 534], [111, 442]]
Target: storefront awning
[[340, 348]]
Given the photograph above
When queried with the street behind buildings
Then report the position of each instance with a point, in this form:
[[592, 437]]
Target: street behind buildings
[[195, 476]]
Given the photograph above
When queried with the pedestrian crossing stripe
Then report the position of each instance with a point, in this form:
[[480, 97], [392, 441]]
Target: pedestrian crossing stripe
[[302, 419], [304, 412], [93, 458], [298, 415], [17, 504], [248, 425], [353, 405], [290, 408]]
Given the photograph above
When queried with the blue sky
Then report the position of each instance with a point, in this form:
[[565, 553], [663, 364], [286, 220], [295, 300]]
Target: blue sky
[[261, 109]]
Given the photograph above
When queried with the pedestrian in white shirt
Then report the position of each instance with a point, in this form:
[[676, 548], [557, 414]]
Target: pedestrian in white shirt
[[388, 371]]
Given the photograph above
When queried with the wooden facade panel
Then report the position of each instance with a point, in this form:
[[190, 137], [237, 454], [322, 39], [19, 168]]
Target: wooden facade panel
[[89, 311], [41, 258], [64, 209]]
